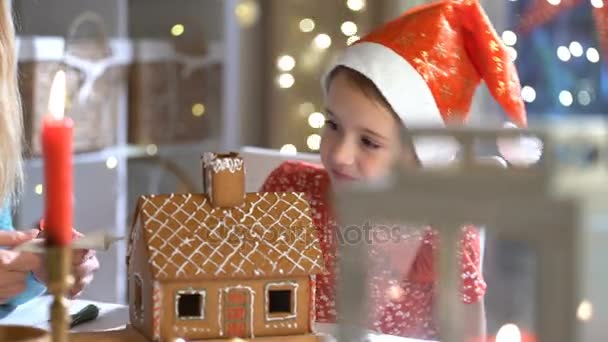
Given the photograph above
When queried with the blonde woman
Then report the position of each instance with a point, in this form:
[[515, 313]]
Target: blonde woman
[[22, 275]]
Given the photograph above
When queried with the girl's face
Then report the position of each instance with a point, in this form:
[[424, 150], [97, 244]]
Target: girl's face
[[361, 138]]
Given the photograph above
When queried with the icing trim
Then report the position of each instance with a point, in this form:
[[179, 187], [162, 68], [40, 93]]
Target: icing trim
[[138, 312], [283, 285], [156, 313], [219, 163], [203, 304], [224, 291]]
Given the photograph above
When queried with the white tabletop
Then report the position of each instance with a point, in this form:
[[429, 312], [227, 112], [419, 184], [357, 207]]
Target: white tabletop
[[36, 313], [115, 316]]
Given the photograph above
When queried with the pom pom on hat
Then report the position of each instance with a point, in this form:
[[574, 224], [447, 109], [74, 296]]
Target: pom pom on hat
[[428, 63], [520, 151]]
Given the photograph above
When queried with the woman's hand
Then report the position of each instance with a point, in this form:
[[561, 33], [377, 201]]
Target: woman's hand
[[84, 265], [15, 267]]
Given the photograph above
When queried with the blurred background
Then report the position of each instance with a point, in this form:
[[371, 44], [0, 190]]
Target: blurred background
[[154, 83]]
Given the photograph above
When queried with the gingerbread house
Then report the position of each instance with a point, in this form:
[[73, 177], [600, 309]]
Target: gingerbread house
[[224, 263]]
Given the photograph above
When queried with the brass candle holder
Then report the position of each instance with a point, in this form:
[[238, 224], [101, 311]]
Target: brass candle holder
[[60, 280]]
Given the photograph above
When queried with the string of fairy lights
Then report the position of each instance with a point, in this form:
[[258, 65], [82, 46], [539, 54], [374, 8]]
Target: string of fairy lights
[[286, 63], [564, 53]]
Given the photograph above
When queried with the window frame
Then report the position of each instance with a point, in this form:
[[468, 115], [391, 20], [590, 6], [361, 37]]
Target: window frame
[[203, 305], [278, 286]]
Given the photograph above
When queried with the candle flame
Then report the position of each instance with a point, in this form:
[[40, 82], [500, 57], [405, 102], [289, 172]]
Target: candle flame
[[585, 311], [57, 96], [508, 333]]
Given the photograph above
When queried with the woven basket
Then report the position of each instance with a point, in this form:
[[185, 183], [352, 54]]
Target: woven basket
[[96, 71], [39, 59], [169, 89], [152, 92]]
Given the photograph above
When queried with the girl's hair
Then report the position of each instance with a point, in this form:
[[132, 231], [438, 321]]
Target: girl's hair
[[11, 126], [369, 89], [364, 84]]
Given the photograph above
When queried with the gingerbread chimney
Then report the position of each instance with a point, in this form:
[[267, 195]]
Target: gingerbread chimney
[[224, 178]]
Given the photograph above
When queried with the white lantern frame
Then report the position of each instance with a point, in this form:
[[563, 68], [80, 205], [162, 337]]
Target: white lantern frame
[[509, 202]]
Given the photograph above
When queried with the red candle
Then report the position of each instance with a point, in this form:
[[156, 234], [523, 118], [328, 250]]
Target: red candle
[[57, 156], [524, 337], [509, 333]]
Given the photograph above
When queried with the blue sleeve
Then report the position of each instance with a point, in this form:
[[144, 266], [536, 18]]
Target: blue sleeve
[[33, 287]]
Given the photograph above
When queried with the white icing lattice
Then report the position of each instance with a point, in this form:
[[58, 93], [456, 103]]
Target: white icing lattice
[[271, 234]]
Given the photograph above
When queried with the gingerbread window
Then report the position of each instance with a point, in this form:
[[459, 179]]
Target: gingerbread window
[[281, 300], [138, 302], [190, 304]]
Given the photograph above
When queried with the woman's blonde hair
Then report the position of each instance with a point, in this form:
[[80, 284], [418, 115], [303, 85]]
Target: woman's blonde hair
[[11, 123]]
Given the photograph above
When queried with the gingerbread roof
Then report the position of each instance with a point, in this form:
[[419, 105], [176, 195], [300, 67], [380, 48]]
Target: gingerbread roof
[[271, 234]]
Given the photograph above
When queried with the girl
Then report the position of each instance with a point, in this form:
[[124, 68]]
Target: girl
[[418, 70], [22, 275]]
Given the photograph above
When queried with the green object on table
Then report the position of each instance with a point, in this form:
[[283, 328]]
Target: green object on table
[[87, 314]]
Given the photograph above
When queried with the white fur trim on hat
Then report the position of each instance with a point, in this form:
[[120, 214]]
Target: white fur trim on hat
[[405, 90]]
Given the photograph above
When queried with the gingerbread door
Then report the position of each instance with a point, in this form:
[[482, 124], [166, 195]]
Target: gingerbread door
[[236, 311]]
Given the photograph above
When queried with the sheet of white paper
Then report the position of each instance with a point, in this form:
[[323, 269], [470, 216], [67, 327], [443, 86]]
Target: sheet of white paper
[[36, 313]]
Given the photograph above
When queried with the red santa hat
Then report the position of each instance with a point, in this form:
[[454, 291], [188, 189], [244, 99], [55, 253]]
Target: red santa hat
[[428, 63]]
